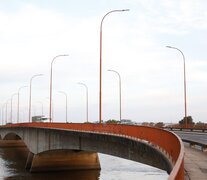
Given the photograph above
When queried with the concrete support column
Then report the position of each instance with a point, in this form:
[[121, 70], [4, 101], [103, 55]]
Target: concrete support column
[[29, 160], [204, 148], [64, 160], [192, 145]]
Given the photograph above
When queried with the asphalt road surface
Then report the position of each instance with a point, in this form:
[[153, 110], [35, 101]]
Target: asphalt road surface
[[193, 136]]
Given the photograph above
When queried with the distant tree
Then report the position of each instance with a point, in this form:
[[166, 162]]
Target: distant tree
[[151, 124], [159, 124], [189, 121], [145, 124], [112, 121]]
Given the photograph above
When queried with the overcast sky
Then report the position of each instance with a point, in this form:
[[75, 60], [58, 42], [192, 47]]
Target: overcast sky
[[33, 32]]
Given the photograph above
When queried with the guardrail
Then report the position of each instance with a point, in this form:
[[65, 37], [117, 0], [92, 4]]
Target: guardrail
[[186, 129], [167, 141]]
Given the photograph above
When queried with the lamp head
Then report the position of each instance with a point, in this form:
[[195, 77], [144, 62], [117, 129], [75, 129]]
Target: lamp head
[[125, 9]]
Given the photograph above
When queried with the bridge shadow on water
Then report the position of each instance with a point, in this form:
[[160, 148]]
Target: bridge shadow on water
[[13, 168]]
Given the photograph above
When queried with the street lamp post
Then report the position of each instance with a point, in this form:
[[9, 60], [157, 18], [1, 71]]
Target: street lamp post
[[184, 77], [66, 105], [6, 110], [23, 115], [100, 81], [18, 102], [3, 113], [50, 110], [86, 99], [12, 105], [119, 92], [52, 114], [30, 94], [41, 106]]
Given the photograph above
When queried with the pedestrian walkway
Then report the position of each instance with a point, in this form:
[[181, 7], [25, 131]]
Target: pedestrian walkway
[[195, 164]]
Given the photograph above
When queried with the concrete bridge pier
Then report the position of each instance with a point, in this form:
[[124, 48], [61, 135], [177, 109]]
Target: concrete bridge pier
[[12, 143], [58, 160], [29, 161]]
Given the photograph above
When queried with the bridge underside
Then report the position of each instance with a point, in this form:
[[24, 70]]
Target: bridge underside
[[63, 149]]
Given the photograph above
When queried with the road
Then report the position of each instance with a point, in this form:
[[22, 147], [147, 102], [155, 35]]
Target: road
[[193, 136]]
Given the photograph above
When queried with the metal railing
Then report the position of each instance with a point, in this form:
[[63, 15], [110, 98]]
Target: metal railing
[[196, 129]]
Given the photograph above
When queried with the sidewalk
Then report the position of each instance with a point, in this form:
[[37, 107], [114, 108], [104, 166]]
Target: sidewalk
[[195, 164]]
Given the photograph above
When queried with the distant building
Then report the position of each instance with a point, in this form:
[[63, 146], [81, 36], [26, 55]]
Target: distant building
[[38, 118], [126, 121]]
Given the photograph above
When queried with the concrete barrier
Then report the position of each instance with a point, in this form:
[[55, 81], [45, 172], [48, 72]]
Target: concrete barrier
[[194, 143], [57, 160]]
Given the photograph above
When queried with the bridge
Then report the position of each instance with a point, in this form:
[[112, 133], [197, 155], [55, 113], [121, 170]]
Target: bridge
[[75, 146]]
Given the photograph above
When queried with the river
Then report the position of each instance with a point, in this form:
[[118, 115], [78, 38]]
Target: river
[[12, 167]]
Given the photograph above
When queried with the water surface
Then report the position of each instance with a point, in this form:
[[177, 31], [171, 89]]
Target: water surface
[[13, 160]]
